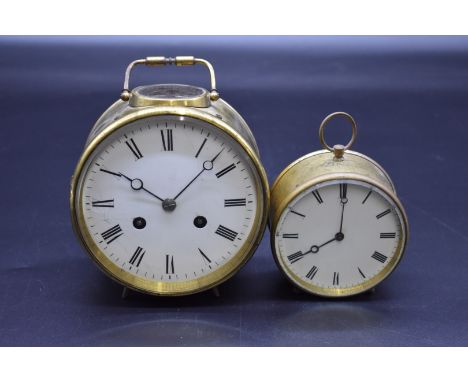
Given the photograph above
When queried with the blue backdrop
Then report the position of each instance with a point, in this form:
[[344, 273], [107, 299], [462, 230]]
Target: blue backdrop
[[410, 99]]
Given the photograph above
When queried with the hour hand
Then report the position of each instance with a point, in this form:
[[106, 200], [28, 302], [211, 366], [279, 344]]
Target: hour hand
[[137, 184], [316, 248]]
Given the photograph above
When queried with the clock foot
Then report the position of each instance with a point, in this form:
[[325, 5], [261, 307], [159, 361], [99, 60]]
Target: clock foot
[[125, 293], [296, 290], [216, 291]]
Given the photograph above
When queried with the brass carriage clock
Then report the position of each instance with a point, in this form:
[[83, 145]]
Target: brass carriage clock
[[169, 196], [337, 226]]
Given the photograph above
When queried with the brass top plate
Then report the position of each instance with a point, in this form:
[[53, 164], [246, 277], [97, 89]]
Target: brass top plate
[[169, 95]]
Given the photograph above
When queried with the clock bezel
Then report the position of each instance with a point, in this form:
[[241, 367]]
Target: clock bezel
[[349, 291], [172, 288]]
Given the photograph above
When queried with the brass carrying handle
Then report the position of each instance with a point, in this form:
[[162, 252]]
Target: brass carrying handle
[[338, 150], [162, 61]]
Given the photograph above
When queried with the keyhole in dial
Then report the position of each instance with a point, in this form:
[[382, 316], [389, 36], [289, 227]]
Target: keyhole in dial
[[139, 223], [200, 221]]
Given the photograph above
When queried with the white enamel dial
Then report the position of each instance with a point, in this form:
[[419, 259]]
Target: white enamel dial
[[169, 198], [339, 235]]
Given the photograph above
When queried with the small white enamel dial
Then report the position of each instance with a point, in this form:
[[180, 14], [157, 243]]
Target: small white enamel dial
[[169, 199], [339, 235]]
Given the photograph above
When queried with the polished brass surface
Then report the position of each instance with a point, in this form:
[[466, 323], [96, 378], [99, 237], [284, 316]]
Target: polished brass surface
[[159, 287], [169, 95], [219, 109], [333, 164], [320, 164]]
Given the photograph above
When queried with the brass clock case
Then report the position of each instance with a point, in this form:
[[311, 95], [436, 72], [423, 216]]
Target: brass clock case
[[329, 165], [186, 102]]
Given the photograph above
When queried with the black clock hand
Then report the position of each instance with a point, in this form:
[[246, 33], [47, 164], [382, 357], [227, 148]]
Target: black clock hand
[[327, 242], [315, 248], [207, 166], [343, 201], [193, 180], [137, 184], [342, 213]]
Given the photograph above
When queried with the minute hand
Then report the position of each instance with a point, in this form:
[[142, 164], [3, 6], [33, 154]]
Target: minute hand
[[343, 201], [342, 213], [207, 166]]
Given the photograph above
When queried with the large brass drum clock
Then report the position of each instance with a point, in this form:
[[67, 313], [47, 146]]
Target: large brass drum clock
[[169, 196]]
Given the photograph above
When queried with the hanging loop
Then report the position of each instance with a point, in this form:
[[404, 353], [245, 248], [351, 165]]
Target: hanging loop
[[338, 150]]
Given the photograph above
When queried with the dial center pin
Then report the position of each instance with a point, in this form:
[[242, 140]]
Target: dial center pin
[[169, 204]]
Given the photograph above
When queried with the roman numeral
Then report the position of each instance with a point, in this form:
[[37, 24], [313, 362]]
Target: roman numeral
[[134, 148], [290, 236], [112, 234], [310, 275], [367, 197], [317, 196], [362, 274], [201, 147], [336, 278], [169, 264], [166, 136], [204, 256], [137, 256], [382, 214], [295, 257], [298, 214], [388, 235], [103, 203], [226, 233], [110, 172], [379, 257], [225, 170], [343, 190], [234, 202]]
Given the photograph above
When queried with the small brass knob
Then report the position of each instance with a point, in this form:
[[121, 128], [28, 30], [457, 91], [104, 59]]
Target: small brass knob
[[125, 95]]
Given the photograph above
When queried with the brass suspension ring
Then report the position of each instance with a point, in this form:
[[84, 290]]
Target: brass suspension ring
[[338, 149]]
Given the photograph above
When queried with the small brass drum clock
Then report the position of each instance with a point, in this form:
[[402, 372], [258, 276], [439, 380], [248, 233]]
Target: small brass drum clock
[[169, 196], [337, 226]]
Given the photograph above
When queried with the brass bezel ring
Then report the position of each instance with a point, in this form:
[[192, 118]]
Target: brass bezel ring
[[338, 292], [327, 119]]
